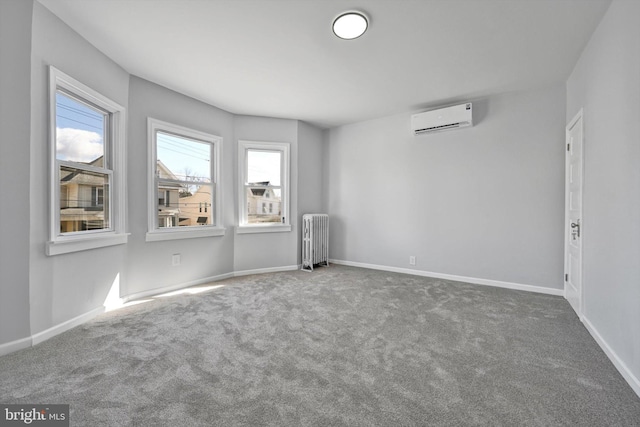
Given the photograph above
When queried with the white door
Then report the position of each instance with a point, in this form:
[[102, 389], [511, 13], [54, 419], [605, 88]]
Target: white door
[[573, 214]]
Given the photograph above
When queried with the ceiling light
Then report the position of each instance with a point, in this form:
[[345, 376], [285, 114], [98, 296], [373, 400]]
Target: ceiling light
[[350, 25]]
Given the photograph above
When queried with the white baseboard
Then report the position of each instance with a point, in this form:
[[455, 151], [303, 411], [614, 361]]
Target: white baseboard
[[65, 326], [165, 289], [474, 280], [39, 337], [624, 370], [266, 270], [16, 345]]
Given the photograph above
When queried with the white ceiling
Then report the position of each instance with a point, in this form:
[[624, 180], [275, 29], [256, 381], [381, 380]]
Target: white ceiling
[[279, 58]]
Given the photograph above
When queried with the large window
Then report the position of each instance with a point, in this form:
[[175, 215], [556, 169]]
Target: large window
[[264, 186], [184, 198], [87, 167]]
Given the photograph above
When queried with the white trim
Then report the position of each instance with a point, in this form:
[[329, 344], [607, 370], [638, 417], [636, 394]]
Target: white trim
[[27, 342], [266, 270], [115, 154], [65, 326], [474, 280], [624, 370], [39, 337], [165, 289], [285, 166], [155, 233], [119, 159], [13, 346], [83, 243], [260, 228], [176, 233]]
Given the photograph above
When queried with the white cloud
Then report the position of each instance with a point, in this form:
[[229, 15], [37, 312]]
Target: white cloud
[[78, 145]]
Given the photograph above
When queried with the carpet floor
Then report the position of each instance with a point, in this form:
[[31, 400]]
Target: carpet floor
[[340, 346]]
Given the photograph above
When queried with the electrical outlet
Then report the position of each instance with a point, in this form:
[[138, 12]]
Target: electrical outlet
[[175, 259], [412, 260]]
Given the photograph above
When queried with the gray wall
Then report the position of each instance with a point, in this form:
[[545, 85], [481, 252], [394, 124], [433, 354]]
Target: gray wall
[[483, 202], [268, 250], [149, 263], [15, 104], [39, 292], [310, 170], [606, 83], [65, 286]]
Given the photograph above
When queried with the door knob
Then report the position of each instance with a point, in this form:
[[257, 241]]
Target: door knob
[[576, 227]]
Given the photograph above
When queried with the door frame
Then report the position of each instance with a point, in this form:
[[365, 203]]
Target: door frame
[[578, 117]]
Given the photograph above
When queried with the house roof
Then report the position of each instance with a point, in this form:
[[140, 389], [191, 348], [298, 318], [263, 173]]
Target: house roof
[[82, 177], [279, 58], [165, 172]]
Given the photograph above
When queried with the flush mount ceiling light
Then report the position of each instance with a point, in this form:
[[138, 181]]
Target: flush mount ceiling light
[[350, 25]]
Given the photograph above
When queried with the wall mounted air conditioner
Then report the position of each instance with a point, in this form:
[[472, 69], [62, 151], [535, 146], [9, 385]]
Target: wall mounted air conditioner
[[457, 116]]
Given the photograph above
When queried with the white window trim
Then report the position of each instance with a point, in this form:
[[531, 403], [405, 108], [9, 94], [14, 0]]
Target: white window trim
[[115, 235], [154, 233], [243, 227]]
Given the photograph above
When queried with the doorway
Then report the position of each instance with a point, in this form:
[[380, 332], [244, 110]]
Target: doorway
[[574, 171]]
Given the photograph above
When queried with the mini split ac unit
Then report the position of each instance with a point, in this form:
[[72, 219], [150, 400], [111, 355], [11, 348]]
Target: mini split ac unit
[[457, 116]]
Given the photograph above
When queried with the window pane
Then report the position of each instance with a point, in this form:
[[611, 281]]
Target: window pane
[[84, 200], [183, 159], [264, 205], [183, 205], [80, 131], [263, 167]]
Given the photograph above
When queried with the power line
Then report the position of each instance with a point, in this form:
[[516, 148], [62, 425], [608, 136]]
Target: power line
[[177, 145], [191, 180], [163, 145], [78, 111], [186, 154], [82, 123]]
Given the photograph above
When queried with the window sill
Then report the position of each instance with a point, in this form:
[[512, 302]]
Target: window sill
[[176, 233], [247, 229], [85, 243]]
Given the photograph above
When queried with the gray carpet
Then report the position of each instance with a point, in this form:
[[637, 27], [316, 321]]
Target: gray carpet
[[339, 346]]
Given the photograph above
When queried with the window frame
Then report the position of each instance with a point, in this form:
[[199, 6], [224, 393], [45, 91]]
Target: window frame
[[156, 233], [115, 139], [285, 171]]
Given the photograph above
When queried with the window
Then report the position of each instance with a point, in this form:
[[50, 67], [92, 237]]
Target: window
[[184, 197], [264, 186], [97, 197], [87, 167]]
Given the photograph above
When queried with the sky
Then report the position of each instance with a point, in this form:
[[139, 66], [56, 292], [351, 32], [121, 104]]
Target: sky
[[264, 166], [79, 131], [186, 158]]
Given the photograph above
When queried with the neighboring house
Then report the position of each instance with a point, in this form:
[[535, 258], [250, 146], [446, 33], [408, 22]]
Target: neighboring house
[[168, 195], [177, 207], [196, 209], [263, 205], [82, 199]]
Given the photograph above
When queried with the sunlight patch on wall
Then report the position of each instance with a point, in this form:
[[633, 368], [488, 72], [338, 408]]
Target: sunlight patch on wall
[[113, 299]]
